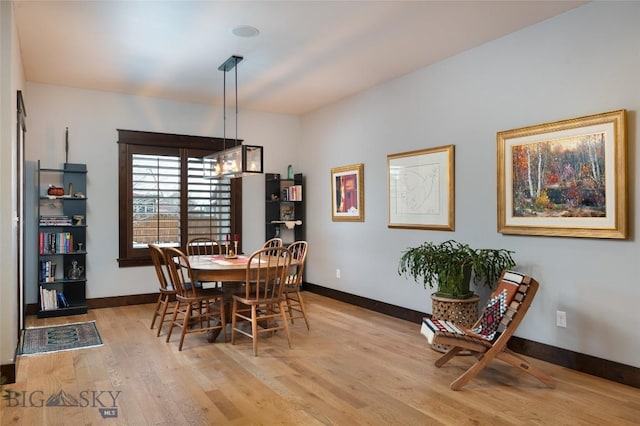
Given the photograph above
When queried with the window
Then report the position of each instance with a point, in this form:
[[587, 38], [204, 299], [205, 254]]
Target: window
[[165, 198]]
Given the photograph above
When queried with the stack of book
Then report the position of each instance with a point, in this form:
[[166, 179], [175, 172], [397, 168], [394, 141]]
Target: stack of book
[[51, 299], [292, 193], [55, 242], [47, 271], [55, 220]]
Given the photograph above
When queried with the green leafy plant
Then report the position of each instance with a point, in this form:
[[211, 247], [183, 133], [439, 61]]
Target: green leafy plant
[[450, 265]]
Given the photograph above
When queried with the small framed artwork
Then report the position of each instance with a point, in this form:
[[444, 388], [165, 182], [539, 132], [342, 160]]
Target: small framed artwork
[[421, 189], [347, 193], [567, 178]]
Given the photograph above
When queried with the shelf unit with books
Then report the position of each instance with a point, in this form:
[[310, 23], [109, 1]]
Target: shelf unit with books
[[62, 237], [284, 208]]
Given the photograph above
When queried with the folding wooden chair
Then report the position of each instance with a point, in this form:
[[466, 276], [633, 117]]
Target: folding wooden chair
[[487, 338]]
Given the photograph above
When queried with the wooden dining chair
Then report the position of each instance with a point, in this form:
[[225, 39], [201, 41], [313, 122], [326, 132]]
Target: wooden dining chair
[[197, 310], [166, 298], [293, 283], [487, 338], [200, 246], [272, 243], [203, 246], [262, 302]]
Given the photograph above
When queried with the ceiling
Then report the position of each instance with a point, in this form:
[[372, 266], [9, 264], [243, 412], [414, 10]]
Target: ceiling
[[308, 53]]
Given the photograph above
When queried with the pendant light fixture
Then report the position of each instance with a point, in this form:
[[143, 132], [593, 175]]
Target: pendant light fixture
[[239, 160]]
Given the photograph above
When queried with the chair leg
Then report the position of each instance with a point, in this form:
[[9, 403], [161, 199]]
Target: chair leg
[[254, 328], [447, 356], [173, 320], [234, 310], [289, 308], [477, 367], [185, 324], [222, 322], [165, 305], [511, 358], [155, 312], [285, 323], [303, 309]]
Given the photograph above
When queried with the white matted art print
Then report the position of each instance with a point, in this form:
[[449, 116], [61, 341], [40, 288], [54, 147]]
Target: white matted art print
[[421, 189]]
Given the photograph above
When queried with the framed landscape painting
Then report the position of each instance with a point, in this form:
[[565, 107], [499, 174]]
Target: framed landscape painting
[[347, 193], [567, 178], [421, 189]]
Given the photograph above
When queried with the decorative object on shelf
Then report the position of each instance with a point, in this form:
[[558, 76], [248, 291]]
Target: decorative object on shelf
[[55, 191], [70, 192], [286, 213], [347, 193], [291, 223], [565, 179], [75, 272], [290, 172], [80, 246], [77, 219], [239, 160], [421, 189]]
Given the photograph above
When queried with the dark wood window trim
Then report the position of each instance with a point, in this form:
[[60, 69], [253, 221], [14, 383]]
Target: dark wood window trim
[[133, 141]]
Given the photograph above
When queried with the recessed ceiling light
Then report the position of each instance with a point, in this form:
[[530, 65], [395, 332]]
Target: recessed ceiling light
[[245, 31]]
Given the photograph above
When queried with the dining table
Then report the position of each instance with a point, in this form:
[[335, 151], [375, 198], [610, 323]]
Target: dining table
[[229, 271]]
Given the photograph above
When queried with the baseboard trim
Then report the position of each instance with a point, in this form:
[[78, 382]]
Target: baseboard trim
[[108, 302], [112, 302], [610, 370], [8, 371]]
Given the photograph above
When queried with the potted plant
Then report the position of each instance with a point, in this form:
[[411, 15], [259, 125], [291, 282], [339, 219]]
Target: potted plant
[[451, 264]]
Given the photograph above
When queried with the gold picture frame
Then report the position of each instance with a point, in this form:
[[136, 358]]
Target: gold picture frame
[[565, 179], [347, 193], [421, 189]]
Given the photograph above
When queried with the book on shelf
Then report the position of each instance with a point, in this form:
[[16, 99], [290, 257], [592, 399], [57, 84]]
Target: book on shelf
[[55, 220], [62, 301], [292, 193], [48, 299], [55, 242], [47, 271]]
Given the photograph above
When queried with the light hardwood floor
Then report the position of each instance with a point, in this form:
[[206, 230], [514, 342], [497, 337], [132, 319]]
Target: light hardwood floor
[[355, 367]]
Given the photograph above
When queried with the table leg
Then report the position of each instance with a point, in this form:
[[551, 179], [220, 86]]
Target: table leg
[[228, 289]]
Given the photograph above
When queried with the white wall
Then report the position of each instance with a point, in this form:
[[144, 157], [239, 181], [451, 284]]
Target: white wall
[[92, 118], [583, 62], [11, 80]]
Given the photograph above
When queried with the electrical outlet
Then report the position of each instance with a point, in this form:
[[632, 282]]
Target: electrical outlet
[[561, 319], [337, 273]]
